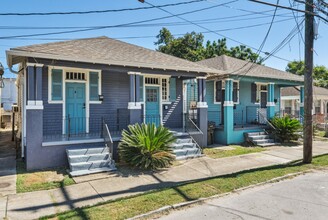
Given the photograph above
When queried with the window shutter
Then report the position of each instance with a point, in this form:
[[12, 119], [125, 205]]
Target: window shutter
[[253, 92], [94, 81], [235, 92], [141, 89], [57, 84], [218, 92], [173, 86]]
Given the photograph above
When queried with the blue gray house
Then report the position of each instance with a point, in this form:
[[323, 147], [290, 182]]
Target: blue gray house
[[78, 95], [242, 98]]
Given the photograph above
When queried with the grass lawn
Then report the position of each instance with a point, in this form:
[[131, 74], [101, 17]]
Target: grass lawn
[[238, 150], [132, 206], [41, 179]]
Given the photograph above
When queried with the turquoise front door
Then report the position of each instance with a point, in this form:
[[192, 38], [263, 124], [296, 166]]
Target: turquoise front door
[[75, 108], [152, 106]]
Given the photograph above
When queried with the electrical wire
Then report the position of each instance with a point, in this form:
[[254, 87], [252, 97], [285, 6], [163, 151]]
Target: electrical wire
[[96, 11], [119, 25]]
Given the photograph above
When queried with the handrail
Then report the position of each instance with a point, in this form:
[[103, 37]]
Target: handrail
[[108, 139], [267, 121], [195, 125], [190, 134]]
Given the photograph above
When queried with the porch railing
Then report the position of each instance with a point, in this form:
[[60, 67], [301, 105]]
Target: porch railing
[[215, 117], [73, 128], [239, 120]]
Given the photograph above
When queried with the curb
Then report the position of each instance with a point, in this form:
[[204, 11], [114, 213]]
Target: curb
[[200, 200]]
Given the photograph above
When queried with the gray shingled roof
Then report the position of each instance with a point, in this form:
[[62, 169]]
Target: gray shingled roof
[[234, 66], [292, 91], [105, 50]]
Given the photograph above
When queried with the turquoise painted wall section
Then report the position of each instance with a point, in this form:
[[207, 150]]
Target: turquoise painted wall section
[[214, 110], [238, 136]]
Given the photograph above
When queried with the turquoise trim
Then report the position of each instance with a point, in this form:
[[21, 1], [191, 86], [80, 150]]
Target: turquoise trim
[[141, 88], [173, 91], [93, 86], [57, 85], [75, 108]]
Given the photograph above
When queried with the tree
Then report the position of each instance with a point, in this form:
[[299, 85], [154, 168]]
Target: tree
[[191, 47], [320, 73]]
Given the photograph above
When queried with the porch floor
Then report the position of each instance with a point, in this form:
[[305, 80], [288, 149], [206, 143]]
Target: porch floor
[[245, 126]]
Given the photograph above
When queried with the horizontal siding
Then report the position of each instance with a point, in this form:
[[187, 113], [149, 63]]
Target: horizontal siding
[[174, 114]]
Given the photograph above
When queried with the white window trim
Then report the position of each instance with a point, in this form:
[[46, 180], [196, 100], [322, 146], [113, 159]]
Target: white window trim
[[161, 102], [87, 92], [258, 91], [223, 88]]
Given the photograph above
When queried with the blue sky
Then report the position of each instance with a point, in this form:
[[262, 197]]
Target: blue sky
[[250, 36]]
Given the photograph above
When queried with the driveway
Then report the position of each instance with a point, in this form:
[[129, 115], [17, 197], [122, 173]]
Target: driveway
[[7, 164], [304, 197]]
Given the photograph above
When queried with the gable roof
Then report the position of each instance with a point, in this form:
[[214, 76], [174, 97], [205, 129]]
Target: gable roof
[[233, 66], [292, 91], [104, 50]]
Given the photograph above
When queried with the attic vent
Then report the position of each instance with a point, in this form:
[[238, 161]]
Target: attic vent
[[152, 81], [75, 76]]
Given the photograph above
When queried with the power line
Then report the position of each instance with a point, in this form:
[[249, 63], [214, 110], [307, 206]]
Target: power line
[[112, 26], [96, 11], [202, 21]]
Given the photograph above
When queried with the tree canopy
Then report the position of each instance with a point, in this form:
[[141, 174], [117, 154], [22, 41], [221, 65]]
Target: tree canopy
[[191, 47], [320, 73]]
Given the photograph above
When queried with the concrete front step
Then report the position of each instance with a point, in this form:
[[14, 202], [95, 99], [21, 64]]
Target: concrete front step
[[91, 165], [256, 133], [98, 170], [183, 146], [259, 137], [263, 141], [191, 152], [87, 151], [268, 144], [184, 140], [88, 157]]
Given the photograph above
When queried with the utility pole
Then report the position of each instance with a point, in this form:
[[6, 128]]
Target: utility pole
[[308, 82]]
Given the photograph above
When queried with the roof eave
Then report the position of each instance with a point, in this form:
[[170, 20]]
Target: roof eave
[[11, 53]]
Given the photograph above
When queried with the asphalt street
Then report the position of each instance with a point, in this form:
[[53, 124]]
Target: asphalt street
[[303, 197]]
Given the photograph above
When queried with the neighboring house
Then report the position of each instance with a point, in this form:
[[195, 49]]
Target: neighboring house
[[8, 97], [242, 98], [71, 89], [290, 102]]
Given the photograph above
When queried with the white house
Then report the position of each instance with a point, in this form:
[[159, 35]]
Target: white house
[[8, 97]]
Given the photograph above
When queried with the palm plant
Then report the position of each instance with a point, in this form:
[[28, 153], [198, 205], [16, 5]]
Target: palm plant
[[147, 146], [286, 128]]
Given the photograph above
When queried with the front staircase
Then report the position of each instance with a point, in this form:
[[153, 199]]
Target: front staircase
[[83, 161], [184, 147], [261, 139]]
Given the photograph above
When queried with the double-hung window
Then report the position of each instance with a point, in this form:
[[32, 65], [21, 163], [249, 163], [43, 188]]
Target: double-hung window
[[56, 85], [219, 86]]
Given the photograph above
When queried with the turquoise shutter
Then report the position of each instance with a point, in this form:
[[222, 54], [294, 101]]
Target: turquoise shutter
[[141, 88], [57, 85], [173, 87], [93, 78], [235, 92], [218, 92]]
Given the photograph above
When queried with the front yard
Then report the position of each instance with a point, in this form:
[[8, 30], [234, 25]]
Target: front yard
[[41, 179], [136, 205], [233, 150]]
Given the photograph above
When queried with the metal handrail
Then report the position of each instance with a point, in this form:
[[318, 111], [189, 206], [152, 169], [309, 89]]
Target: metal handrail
[[107, 139], [190, 134], [267, 121]]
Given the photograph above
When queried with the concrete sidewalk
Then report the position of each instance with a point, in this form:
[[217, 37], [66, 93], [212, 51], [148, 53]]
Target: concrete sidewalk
[[36, 204]]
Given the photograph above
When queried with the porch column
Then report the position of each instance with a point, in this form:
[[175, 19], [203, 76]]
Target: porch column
[[302, 101], [228, 112], [34, 115], [202, 110], [270, 101], [134, 105]]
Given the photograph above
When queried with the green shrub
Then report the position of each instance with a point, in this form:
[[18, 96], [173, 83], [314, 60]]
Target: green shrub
[[286, 128], [147, 146]]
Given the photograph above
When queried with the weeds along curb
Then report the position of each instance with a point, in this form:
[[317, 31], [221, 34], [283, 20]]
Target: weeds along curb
[[201, 200]]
